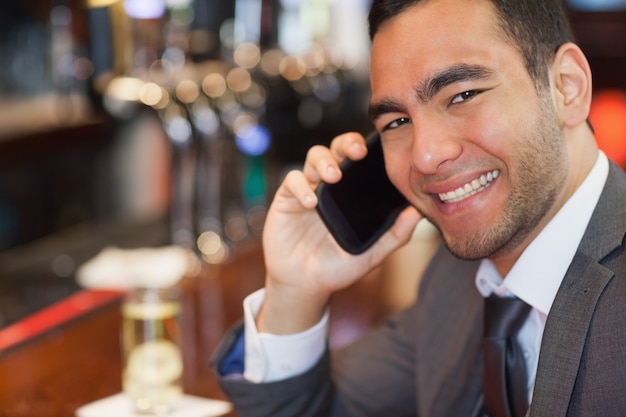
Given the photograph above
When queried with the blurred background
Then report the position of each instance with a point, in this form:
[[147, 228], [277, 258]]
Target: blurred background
[[135, 123]]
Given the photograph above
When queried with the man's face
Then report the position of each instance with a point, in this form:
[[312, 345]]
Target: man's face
[[467, 138]]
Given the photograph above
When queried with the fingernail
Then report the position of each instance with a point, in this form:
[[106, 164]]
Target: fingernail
[[358, 146]]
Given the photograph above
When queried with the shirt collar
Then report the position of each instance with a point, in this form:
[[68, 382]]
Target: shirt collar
[[537, 274]]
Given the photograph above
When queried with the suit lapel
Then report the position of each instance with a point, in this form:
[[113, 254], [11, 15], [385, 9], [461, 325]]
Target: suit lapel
[[564, 336], [571, 314]]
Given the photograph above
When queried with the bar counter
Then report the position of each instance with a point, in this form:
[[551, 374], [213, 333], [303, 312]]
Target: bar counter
[[68, 355]]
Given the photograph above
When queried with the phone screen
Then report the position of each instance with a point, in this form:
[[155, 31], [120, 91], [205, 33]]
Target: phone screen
[[363, 204]]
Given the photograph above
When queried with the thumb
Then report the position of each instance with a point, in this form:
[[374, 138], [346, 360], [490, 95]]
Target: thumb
[[398, 235]]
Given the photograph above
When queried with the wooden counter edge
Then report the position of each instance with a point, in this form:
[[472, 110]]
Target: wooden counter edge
[[56, 315]]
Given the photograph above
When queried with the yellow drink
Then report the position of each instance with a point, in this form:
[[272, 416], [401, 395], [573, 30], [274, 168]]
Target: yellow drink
[[153, 364]]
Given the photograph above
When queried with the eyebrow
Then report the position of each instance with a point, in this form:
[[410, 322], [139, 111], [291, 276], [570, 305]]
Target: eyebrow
[[375, 110], [428, 88]]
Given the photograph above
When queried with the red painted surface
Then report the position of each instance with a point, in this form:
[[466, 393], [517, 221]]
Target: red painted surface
[[55, 315]]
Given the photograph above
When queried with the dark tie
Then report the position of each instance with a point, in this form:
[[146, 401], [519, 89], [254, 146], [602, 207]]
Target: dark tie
[[504, 375]]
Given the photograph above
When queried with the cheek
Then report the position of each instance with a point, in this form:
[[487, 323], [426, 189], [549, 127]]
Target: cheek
[[495, 129], [398, 171]]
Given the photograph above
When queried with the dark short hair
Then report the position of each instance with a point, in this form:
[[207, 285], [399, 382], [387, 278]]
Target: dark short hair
[[537, 28]]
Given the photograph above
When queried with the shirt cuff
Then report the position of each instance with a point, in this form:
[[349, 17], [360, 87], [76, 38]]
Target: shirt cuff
[[270, 357]]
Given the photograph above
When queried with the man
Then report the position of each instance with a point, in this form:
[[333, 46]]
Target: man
[[482, 108]]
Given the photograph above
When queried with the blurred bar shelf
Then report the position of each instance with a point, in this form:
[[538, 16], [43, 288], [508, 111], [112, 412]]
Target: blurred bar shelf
[[44, 114]]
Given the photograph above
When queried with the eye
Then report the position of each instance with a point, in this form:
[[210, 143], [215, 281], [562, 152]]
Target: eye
[[464, 96], [397, 123]]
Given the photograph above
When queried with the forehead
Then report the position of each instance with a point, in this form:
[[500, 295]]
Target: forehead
[[435, 34], [437, 19]]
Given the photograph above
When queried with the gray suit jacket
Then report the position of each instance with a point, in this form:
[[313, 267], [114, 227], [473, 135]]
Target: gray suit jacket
[[426, 361]]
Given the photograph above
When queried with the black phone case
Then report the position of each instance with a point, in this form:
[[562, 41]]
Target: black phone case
[[363, 204]]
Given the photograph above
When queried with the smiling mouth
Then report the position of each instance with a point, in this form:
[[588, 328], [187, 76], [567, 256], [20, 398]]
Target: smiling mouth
[[469, 189]]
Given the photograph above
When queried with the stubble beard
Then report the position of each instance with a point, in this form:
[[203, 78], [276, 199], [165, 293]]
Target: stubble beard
[[540, 175]]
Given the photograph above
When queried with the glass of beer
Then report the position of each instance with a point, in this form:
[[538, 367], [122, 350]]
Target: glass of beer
[[153, 364]]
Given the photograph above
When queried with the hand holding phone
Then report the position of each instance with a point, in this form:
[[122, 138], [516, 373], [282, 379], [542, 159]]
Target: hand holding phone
[[359, 208]]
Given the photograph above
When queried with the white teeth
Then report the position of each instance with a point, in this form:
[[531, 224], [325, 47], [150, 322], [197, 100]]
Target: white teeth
[[470, 188]]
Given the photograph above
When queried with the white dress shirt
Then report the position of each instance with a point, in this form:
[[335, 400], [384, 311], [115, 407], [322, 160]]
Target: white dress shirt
[[538, 273], [535, 278]]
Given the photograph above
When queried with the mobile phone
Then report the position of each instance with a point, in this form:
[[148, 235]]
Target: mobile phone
[[359, 208]]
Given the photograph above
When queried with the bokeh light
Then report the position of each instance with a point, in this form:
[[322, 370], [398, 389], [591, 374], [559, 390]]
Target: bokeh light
[[608, 117], [253, 139], [144, 9]]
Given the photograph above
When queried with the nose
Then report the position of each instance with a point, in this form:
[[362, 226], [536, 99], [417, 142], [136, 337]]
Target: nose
[[433, 146]]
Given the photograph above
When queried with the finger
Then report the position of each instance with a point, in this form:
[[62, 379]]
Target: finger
[[405, 224], [349, 145], [296, 185], [322, 163], [398, 235]]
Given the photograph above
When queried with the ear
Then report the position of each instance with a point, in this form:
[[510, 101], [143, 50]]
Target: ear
[[571, 75]]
